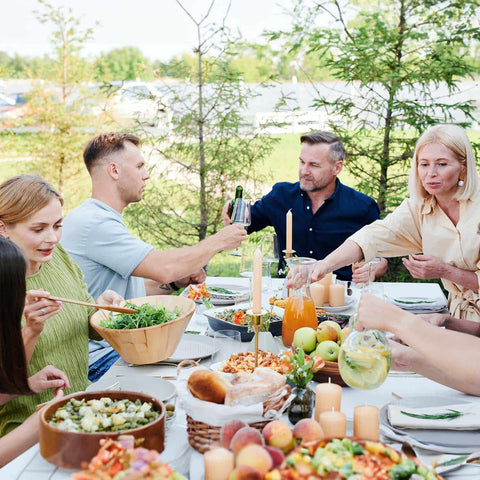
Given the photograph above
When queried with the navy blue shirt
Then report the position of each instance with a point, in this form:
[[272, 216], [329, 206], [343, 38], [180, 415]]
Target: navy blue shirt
[[314, 235]]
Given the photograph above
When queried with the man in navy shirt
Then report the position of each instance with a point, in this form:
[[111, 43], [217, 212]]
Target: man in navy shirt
[[325, 212]]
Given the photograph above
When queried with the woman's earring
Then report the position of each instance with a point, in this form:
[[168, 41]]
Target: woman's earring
[[460, 182]]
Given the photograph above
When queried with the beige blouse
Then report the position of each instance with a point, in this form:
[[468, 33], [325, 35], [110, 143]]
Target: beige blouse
[[425, 228]]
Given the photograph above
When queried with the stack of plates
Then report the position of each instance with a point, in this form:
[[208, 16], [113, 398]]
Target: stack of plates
[[419, 304]]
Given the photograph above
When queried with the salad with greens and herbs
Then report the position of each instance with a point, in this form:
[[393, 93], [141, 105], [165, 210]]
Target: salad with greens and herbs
[[147, 316]]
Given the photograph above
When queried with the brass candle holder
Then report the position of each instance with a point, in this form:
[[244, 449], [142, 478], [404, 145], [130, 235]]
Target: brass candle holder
[[257, 322], [288, 254]]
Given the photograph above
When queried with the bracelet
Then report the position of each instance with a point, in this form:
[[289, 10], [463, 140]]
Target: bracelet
[[173, 286]]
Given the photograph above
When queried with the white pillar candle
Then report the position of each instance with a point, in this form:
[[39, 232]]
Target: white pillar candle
[[336, 295], [257, 282], [328, 397], [366, 422], [289, 231], [317, 292], [334, 424]]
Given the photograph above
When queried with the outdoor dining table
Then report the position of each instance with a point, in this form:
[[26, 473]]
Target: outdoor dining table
[[31, 466]]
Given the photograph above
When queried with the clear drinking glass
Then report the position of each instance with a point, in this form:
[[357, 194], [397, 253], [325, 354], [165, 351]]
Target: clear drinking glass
[[226, 342], [270, 252]]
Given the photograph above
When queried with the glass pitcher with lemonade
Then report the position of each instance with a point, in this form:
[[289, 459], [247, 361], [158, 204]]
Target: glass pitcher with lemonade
[[364, 359], [300, 309]]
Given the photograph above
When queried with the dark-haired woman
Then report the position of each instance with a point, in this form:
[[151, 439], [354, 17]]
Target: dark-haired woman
[[13, 365]]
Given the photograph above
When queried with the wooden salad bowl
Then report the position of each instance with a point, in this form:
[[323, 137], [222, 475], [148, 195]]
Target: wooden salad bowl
[[150, 344], [329, 371], [70, 449]]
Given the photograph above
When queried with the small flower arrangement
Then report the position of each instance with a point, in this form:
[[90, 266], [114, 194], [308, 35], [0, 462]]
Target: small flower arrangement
[[200, 292], [300, 367]]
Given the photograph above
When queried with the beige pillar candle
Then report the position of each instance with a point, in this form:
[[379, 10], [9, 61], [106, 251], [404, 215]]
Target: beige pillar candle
[[336, 296], [219, 463], [289, 231], [317, 292], [328, 396], [366, 422], [257, 282], [326, 280], [334, 424]]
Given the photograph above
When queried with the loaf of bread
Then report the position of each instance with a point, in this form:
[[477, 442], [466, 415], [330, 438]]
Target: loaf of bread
[[208, 386]]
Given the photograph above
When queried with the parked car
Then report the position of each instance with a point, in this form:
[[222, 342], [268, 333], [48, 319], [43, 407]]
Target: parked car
[[138, 101], [12, 107]]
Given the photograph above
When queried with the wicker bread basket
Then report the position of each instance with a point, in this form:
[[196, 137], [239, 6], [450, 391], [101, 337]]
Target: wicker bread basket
[[203, 437]]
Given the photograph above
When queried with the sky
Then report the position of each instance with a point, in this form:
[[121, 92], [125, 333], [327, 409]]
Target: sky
[[159, 28]]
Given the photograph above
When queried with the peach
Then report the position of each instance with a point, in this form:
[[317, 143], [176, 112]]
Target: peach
[[255, 456], [229, 430], [277, 455], [307, 430], [245, 472], [245, 436], [277, 434]]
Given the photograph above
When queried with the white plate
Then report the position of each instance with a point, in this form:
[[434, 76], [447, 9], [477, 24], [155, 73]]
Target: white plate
[[453, 441], [349, 302], [193, 346], [419, 303], [240, 295], [156, 387]]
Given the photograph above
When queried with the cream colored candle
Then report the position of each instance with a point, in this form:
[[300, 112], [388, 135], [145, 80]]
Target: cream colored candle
[[328, 396], [289, 231], [257, 282], [219, 463], [334, 424], [317, 292], [366, 422], [326, 281], [336, 296]]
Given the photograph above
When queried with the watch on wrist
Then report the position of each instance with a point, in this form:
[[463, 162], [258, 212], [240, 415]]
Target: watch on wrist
[[173, 286]]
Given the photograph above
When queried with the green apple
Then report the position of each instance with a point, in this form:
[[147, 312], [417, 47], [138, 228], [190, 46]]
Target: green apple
[[305, 338], [326, 332], [333, 324], [328, 350]]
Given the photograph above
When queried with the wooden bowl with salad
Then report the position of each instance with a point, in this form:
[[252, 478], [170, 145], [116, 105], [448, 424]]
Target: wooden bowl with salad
[[150, 335], [72, 426]]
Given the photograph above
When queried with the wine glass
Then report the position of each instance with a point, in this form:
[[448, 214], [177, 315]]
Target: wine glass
[[241, 216], [269, 247]]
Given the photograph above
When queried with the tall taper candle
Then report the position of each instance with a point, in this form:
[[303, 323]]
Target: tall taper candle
[[257, 282], [289, 231]]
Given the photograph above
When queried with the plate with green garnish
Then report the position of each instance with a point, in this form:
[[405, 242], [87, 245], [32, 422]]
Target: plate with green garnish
[[452, 441], [419, 303]]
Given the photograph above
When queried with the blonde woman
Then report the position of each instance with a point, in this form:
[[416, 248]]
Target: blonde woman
[[53, 334], [436, 226]]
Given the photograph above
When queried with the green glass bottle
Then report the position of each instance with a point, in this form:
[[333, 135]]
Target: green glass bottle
[[238, 194]]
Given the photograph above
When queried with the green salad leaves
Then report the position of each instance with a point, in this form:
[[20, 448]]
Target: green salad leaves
[[147, 316]]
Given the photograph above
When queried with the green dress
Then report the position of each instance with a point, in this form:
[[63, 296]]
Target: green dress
[[63, 342]]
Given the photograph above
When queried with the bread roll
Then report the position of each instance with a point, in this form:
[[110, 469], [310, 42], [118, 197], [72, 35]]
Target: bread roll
[[248, 393], [208, 386]]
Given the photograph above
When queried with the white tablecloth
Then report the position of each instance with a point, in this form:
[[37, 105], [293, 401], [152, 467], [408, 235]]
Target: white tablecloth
[[31, 466]]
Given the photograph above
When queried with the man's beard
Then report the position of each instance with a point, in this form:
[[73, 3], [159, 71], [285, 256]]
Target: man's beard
[[315, 186]]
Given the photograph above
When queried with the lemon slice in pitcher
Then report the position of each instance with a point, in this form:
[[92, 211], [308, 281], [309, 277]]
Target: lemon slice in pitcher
[[364, 359]]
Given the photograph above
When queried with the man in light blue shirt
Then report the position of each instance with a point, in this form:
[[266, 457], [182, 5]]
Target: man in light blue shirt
[[95, 235]]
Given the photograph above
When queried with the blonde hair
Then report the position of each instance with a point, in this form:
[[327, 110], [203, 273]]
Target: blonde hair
[[455, 139], [24, 195]]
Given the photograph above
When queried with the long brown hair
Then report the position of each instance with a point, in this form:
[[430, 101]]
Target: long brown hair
[[13, 366]]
